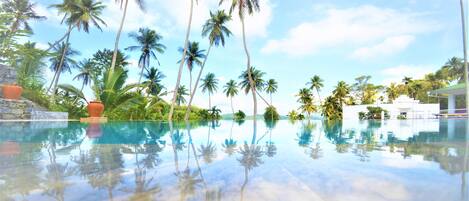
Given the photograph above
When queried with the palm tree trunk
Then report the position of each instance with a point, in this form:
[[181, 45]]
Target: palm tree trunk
[[209, 101], [319, 96], [192, 94], [60, 40], [52, 81], [463, 19], [188, 31], [190, 82], [140, 78], [62, 59], [116, 44], [251, 81], [263, 99], [232, 108]]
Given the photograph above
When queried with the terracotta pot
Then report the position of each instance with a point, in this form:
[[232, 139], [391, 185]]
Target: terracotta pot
[[12, 92], [94, 131], [95, 108], [9, 148]]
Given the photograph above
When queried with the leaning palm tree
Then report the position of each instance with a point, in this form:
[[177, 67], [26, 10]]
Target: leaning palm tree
[[271, 87], [124, 5], [216, 31], [181, 92], [85, 72], [210, 85], [22, 11], [193, 57], [148, 43], [231, 90], [316, 83], [62, 60], [259, 82], [243, 7], [181, 65], [79, 14]]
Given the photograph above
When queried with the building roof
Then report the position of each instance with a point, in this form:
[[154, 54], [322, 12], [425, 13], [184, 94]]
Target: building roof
[[458, 89]]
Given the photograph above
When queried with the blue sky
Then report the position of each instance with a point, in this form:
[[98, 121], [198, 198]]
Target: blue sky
[[289, 40]]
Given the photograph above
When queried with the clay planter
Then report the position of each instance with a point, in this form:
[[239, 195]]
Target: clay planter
[[12, 91], [93, 131], [95, 108], [9, 148]]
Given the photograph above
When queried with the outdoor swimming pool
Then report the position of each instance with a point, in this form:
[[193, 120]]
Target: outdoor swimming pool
[[391, 160]]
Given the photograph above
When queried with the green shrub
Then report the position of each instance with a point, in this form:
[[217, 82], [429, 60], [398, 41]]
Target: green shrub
[[271, 114], [238, 116]]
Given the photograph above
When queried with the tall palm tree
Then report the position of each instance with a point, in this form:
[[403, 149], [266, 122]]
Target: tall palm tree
[[210, 85], [181, 92], [216, 31], [62, 60], [85, 72], [79, 14], [181, 65], [193, 57], [271, 88], [153, 84], [249, 7], [22, 11], [231, 90], [466, 70], [392, 92], [148, 43], [124, 5], [316, 83]]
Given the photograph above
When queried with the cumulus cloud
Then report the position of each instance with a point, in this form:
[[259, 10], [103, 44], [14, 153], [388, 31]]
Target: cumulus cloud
[[351, 27], [389, 46], [397, 73]]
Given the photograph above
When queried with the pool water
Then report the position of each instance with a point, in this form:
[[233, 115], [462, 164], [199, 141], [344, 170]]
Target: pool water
[[311, 160]]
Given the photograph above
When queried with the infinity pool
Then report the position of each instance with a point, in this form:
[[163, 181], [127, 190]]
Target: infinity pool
[[282, 161]]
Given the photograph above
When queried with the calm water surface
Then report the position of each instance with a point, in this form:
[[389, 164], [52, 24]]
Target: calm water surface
[[368, 161]]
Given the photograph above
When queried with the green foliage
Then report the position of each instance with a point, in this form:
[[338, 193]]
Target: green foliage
[[293, 115], [238, 116], [373, 113], [271, 114]]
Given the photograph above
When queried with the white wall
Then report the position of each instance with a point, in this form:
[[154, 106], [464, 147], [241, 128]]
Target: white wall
[[414, 111]]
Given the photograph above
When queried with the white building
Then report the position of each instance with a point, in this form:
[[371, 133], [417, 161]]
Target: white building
[[403, 105]]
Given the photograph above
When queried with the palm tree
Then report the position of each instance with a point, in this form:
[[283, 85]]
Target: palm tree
[[392, 91], [181, 65], [216, 31], [148, 43], [305, 98], [259, 82], [231, 90], [62, 60], [243, 7], [181, 92], [193, 57], [123, 4], [78, 14], [316, 83], [271, 88], [466, 70], [22, 11], [153, 84], [210, 85], [341, 92], [85, 72]]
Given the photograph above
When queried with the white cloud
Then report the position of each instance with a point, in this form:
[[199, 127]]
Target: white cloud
[[397, 73], [389, 46], [358, 26], [178, 13], [135, 18]]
